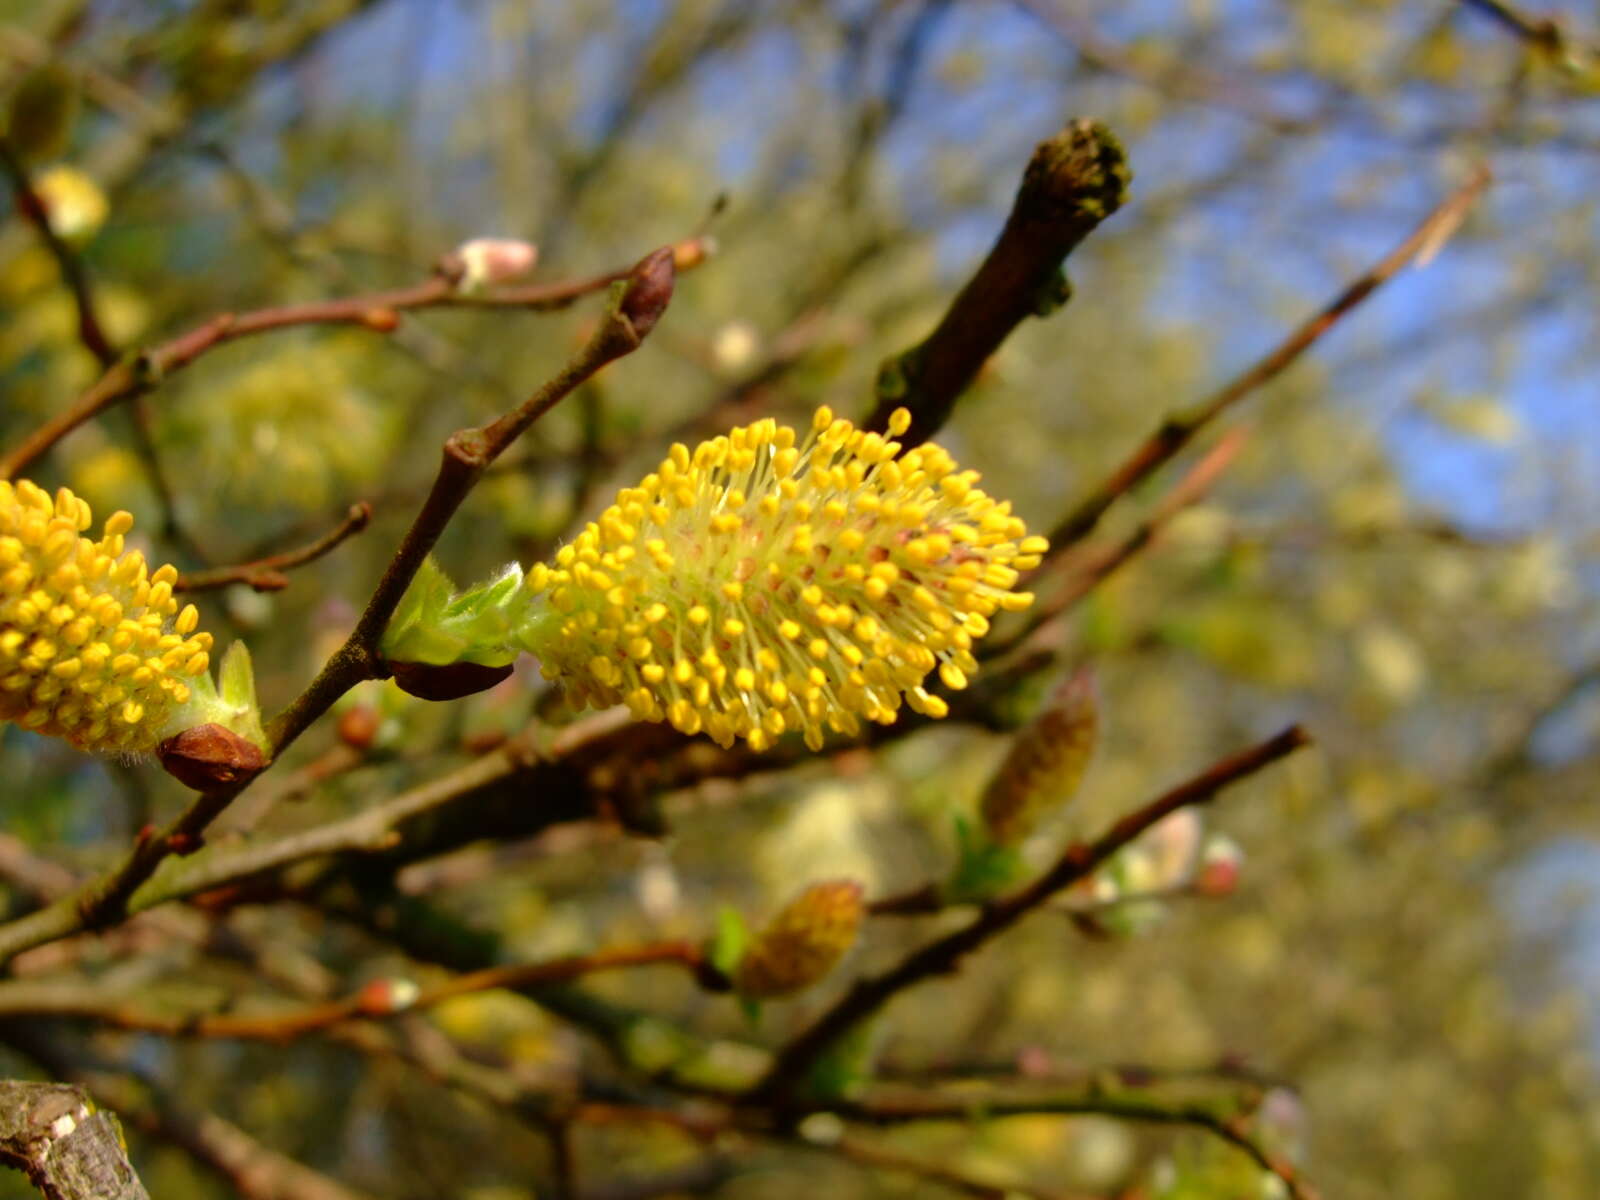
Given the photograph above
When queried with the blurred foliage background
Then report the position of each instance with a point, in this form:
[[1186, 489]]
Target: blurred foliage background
[[1402, 557]]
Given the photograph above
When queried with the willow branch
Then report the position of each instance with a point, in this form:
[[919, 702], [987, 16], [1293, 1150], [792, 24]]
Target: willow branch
[[139, 373], [267, 574], [468, 453], [411, 824], [1179, 429], [942, 956], [1188, 491], [1073, 182], [634, 311], [384, 827]]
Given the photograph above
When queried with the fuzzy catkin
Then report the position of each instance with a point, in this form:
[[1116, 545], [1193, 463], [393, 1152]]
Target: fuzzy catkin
[[761, 584], [804, 942], [93, 647], [1045, 764]]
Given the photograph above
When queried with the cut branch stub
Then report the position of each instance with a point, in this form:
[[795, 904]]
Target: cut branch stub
[[1074, 181], [52, 1134]]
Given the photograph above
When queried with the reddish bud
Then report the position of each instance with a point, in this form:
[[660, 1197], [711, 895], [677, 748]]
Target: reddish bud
[[358, 726], [649, 290], [1217, 879], [1221, 863], [381, 320], [381, 997], [210, 756]]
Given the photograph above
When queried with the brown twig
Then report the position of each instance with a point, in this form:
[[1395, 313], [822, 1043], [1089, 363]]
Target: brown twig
[[380, 999], [94, 337], [90, 331], [267, 574], [467, 454], [383, 827], [1180, 428], [139, 373], [1072, 183], [1542, 33], [941, 956], [1188, 491]]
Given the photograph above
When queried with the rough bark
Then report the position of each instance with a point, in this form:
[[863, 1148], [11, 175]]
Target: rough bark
[[52, 1133]]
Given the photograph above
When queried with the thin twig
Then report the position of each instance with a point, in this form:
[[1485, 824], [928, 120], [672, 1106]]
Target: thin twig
[[1543, 33], [138, 373], [384, 998], [90, 331], [941, 956], [371, 831], [267, 574], [1179, 429], [1188, 491]]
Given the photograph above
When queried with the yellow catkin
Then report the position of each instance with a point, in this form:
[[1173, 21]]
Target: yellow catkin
[[803, 942], [93, 647], [764, 583], [1045, 764]]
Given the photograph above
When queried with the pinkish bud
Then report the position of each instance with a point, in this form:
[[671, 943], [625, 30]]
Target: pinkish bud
[[382, 997], [1221, 863], [486, 261]]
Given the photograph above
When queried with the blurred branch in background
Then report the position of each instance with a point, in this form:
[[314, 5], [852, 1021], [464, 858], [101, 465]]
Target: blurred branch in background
[[1177, 430]]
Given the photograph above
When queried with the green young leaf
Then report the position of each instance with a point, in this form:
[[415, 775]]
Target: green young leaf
[[436, 625], [229, 701], [236, 677], [983, 869], [428, 594], [732, 936]]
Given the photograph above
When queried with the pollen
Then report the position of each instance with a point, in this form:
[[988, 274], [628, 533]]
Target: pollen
[[93, 646], [765, 583]]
